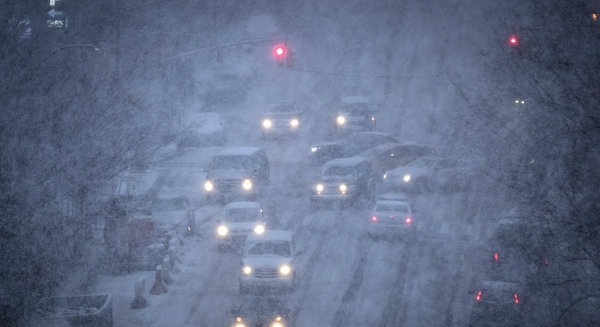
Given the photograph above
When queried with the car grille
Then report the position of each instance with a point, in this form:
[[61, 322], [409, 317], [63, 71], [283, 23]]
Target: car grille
[[228, 185], [265, 273]]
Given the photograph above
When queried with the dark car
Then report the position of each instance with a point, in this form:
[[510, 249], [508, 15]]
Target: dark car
[[348, 146], [391, 155], [260, 312], [497, 303], [237, 173], [349, 181], [354, 114]]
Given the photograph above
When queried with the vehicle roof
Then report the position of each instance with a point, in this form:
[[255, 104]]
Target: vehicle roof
[[242, 205], [271, 235], [380, 148], [239, 150], [354, 99], [288, 104], [393, 196], [499, 285], [392, 202], [350, 161]]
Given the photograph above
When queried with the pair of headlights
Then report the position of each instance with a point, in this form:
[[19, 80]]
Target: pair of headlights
[[267, 123], [246, 185], [223, 231], [343, 188], [277, 322], [284, 270]]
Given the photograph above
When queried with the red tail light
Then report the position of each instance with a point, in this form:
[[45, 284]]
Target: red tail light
[[496, 256], [408, 220], [374, 219], [478, 296], [516, 297]]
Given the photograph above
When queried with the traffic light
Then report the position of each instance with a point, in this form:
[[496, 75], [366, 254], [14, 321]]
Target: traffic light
[[513, 41], [280, 52]]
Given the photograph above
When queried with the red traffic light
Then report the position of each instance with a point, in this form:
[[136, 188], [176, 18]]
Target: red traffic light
[[279, 51], [513, 40]]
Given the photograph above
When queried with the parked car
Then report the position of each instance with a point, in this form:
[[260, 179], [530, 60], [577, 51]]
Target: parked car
[[239, 219], [203, 129], [393, 217], [349, 181], [268, 262], [348, 146], [354, 114], [281, 120], [237, 173]]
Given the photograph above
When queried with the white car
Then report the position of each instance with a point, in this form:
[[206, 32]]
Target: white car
[[354, 114], [430, 173], [268, 262], [239, 219], [391, 216], [280, 120]]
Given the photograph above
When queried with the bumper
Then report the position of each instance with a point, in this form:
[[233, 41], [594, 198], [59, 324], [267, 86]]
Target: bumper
[[391, 229], [280, 283]]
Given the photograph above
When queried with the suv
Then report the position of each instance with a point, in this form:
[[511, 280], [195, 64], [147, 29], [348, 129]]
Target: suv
[[355, 114], [268, 262], [348, 180], [239, 220], [281, 120], [237, 172]]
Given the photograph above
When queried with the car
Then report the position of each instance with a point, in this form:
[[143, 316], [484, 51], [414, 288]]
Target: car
[[348, 146], [354, 114], [348, 181], [281, 120], [391, 155], [391, 216], [239, 219], [430, 173], [203, 129], [260, 311], [497, 303], [237, 173], [268, 262]]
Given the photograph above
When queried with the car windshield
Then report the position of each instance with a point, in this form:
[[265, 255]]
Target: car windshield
[[423, 163], [391, 207], [230, 162], [241, 214], [270, 248], [357, 108], [282, 108], [339, 171]]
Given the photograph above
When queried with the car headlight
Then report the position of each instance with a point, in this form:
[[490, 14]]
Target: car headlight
[[259, 229], [343, 188], [278, 322], [314, 149], [267, 123], [319, 188], [340, 120], [406, 178], [247, 184], [285, 270], [294, 122], [222, 230], [247, 270], [208, 186], [239, 322]]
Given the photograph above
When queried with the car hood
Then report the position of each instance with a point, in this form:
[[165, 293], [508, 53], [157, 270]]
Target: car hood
[[266, 261], [413, 171], [241, 226], [229, 174]]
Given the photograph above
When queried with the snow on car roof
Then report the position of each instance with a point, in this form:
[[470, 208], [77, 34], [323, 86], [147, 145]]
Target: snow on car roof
[[271, 235], [239, 150], [392, 202], [393, 196], [242, 205], [354, 99], [500, 285], [351, 161]]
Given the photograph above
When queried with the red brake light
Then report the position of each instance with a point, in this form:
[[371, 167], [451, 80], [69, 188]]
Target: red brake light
[[496, 256], [516, 297], [408, 220], [478, 296], [374, 219]]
